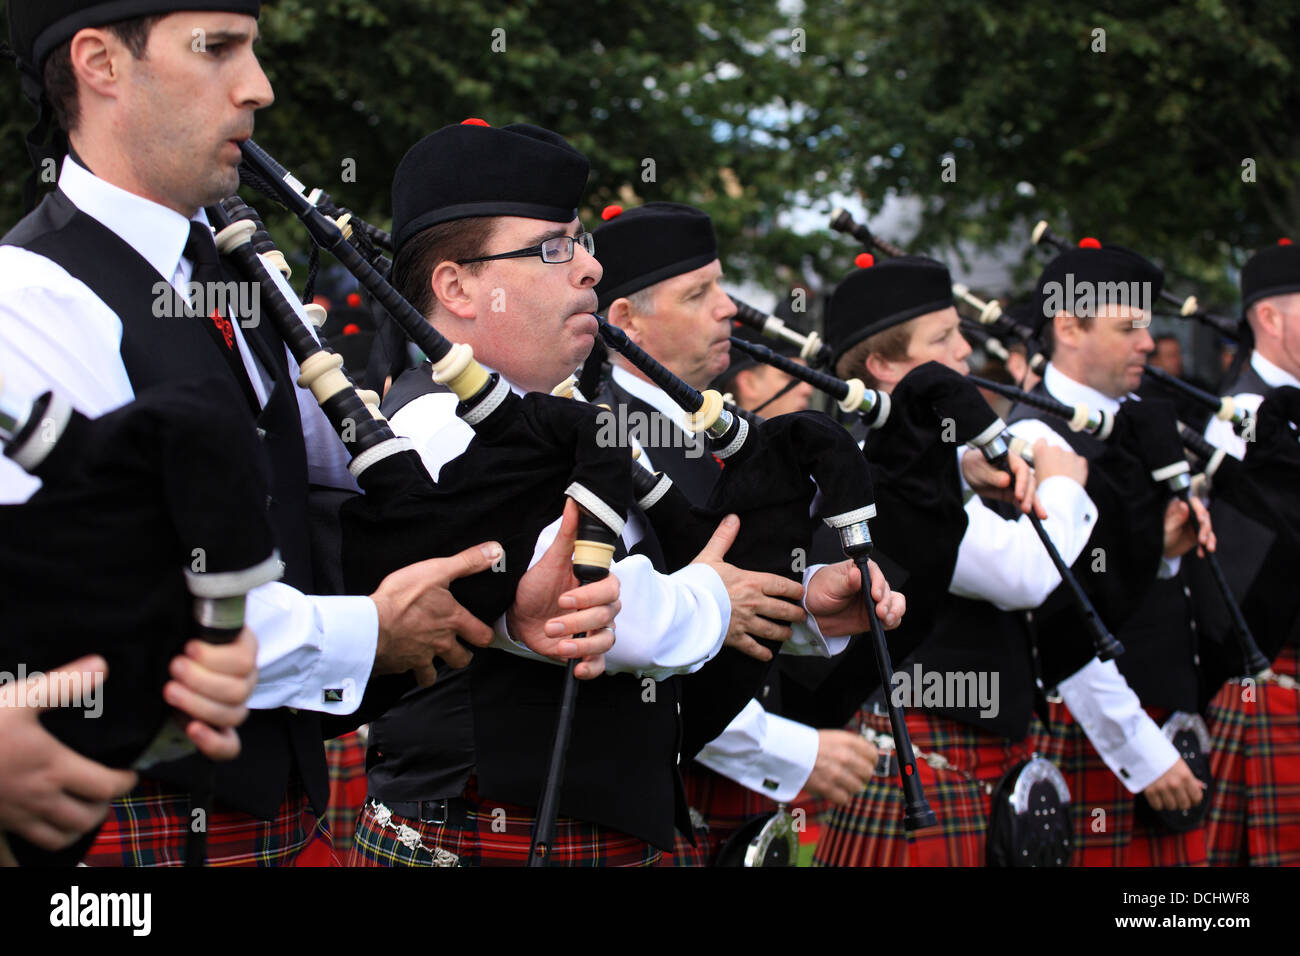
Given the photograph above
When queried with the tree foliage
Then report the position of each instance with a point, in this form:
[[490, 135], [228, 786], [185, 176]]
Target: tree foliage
[[754, 110]]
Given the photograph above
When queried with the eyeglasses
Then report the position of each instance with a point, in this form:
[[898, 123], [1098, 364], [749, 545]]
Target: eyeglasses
[[554, 251]]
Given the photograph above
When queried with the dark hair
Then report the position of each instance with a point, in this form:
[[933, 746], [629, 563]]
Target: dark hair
[[1048, 334], [1166, 337], [891, 344], [421, 254], [60, 80]]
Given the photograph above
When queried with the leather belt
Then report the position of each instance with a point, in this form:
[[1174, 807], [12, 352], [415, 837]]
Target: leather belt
[[452, 812]]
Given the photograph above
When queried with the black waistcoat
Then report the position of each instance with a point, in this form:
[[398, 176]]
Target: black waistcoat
[[1159, 659], [496, 719], [1248, 382], [969, 643], [162, 349]]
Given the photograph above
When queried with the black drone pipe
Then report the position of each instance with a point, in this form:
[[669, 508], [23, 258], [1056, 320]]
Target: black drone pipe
[[811, 348], [842, 221], [1223, 408], [852, 395]]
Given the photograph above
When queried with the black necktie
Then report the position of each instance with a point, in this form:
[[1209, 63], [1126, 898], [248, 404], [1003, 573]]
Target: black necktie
[[211, 304]]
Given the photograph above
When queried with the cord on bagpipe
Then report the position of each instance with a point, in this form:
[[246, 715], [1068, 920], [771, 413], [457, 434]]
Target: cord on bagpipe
[[486, 403], [1188, 308], [810, 453], [161, 533], [1162, 452]]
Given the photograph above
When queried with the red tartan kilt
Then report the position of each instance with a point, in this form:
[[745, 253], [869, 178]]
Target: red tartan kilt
[[149, 827], [1116, 836], [725, 806], [346, 759], [1254, 815], [491, 840], [869, 830]]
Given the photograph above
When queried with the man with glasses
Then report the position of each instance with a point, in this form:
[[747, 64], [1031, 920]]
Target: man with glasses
[[453, 781]]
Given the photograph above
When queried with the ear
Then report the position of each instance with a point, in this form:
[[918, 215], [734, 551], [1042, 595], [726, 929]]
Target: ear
[[454, 288], [885, 372], [1066, 329], [622, 314], [1268, 319], [97, 58], [743, 386]]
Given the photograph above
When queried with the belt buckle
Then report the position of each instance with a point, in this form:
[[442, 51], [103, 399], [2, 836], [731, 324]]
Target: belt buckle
[[884, 764], [432, 805]]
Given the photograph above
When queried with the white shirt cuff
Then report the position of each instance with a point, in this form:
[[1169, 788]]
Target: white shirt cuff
[[1123, 734], [314, 652], [763, 752]]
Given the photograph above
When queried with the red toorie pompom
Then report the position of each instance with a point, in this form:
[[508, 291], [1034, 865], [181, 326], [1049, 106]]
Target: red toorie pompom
[[610, 211], [351, 329], [1087, 242], [474, 121], [354, 300], [1284, 241], [864, 260]]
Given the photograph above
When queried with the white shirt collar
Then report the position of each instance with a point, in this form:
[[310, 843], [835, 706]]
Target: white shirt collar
[[159, 234], [1272, 375], [652, 395], [1065, 389]]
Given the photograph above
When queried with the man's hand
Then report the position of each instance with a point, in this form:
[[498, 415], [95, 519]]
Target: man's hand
[[420, 620], [1051, 461], [989, 481], [211, 684], [845, 762], [548, 588], [1176, 789], [49, 794], [835, 600], [1181, 535], [759, 602]]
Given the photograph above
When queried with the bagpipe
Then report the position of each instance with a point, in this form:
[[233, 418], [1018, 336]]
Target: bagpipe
[[1222, 408], [912, 457], [928, 396], [1256, 515], [1157, 441], [811, 348], [773, 471], [993, 328], [766, 479], [533, 441], [148, 530], [1188, 308]]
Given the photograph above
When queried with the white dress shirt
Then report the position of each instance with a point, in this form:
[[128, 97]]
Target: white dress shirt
[[55, 333], [1220, 433], [1098, 697]]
